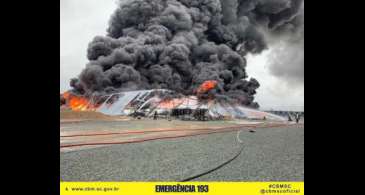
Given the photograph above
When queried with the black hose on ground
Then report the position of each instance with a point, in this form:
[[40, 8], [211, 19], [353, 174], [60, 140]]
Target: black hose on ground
[[214, 169]]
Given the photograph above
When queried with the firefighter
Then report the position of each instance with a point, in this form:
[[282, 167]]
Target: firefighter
[[297, 117], [155, 116]]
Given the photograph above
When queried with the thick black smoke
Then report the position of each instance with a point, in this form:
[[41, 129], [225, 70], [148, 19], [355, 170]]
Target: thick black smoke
[[179, 44]]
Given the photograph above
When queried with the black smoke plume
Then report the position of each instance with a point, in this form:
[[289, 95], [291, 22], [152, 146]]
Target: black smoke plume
[[179, 44]]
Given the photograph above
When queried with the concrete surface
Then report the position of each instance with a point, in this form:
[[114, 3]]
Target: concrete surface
[[272, 154]]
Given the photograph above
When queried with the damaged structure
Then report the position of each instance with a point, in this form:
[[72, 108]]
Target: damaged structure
[[181, 58], [147, 103]]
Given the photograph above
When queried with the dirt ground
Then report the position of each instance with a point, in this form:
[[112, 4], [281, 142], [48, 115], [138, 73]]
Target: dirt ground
[[93, 128], [83, 130], [67, 115]]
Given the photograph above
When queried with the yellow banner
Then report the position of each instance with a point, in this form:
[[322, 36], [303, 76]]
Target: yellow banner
[[209, 188]]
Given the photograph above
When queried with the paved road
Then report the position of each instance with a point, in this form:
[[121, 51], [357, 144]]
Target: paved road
[[268, 154]]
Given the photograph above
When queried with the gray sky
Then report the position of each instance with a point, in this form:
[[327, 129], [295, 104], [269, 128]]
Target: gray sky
[[81, 20]]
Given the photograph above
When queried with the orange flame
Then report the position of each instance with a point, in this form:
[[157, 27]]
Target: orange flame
[[206, 86], [78, 103], [171, 103], [175, 102]]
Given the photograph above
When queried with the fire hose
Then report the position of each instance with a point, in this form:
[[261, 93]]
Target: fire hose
[[215, 168], [222, 164], [172, 137], [171, 130], [207, 131], [142, 140]]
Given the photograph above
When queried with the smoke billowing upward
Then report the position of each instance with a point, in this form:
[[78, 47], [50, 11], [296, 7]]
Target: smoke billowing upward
[[179, 44], [287, 52]]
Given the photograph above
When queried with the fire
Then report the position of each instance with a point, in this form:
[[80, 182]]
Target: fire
[[171, 103], [175, 102], [207, 86], [78, 103]]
